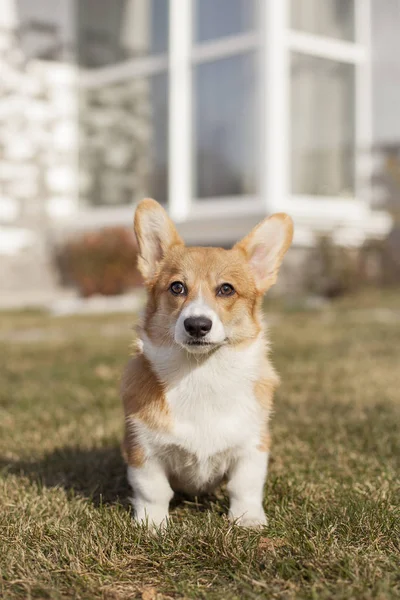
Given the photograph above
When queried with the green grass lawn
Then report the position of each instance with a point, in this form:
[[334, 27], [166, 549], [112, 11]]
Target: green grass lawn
[[331, 498]]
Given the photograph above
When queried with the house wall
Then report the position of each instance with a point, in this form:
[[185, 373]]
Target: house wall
[[38, 155], [56, 138]]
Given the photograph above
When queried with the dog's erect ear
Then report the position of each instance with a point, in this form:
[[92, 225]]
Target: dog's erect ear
[[265, 247], [155, 234]]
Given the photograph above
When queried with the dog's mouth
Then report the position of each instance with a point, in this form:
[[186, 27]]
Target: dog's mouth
[[202, 346]]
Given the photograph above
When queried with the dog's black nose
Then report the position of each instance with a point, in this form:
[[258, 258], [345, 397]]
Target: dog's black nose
[[197, 327]]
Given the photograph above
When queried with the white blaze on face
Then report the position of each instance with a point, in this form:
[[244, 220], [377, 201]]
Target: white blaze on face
[[199, 308]]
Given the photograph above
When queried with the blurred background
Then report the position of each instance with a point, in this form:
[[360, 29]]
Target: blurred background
[[223, 110]]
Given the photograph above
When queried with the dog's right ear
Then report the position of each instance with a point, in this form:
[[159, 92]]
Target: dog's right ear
[[155, 233]]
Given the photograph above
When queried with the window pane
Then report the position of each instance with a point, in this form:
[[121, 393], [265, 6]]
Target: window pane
[[331, 18], [219, 18], [45, 30], [111, 31], [322, 118], [123, 133], [225, 125]]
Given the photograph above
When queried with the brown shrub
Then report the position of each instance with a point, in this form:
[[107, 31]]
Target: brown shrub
[[332, 270], [100, 262]]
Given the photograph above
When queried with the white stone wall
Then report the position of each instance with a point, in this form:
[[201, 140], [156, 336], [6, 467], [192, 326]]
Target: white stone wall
[[38, 159], [115, 133]]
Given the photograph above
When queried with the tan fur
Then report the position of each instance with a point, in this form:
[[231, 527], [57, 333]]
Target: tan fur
[[252, 241], [132, 451], [144, 400], [152, 250], [203, 269], [265, 441], [264, 392]]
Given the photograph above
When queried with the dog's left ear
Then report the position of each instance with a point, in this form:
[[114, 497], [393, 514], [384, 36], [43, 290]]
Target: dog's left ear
[[156, 234], [265, 247]]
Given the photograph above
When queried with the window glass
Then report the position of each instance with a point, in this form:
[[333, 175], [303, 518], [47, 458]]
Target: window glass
[[111, 31], [225, 124], [330, 18], [322, 122], [123, 142], [219, 18], [45, 28]]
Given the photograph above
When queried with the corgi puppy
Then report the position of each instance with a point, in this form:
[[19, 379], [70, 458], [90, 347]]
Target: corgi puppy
[[198, 393]]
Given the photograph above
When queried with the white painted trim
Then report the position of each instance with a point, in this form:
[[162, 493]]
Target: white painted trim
[[354, 234], [180, 111], [323, 47], [348, 219], [276, 125], [325, 209], [331, 214], [224, 47], [130, 69], [361, 35], [262, 107], [363, 101], [226, 206], [101, 216], [358, 54]]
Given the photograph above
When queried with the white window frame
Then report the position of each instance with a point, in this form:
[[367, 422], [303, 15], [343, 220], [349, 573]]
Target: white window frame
[[183, 55], [95, 216], [274, 40], [183, 202], [319, 211]]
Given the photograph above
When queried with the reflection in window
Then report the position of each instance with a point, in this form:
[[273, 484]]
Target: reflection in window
[[123, 142], [219, 18], [322, 120], [225, 123], [45, 32], [330, 18], [111, 31]]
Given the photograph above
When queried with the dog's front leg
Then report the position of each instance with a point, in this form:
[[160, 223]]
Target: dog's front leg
[[246, 487], [151, 492]]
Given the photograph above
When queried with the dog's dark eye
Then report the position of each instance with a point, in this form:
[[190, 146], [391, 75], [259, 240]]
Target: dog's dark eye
[[177, 288], [226, 289]]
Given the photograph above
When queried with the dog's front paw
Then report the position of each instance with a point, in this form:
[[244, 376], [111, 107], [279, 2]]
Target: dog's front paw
[[248, 518], [253, 522], [151, 515]]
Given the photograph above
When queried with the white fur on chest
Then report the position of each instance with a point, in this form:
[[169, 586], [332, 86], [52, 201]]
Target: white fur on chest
[[215, 414], [213, 408]]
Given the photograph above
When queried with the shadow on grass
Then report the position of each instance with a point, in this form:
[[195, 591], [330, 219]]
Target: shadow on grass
[[98, 474]]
